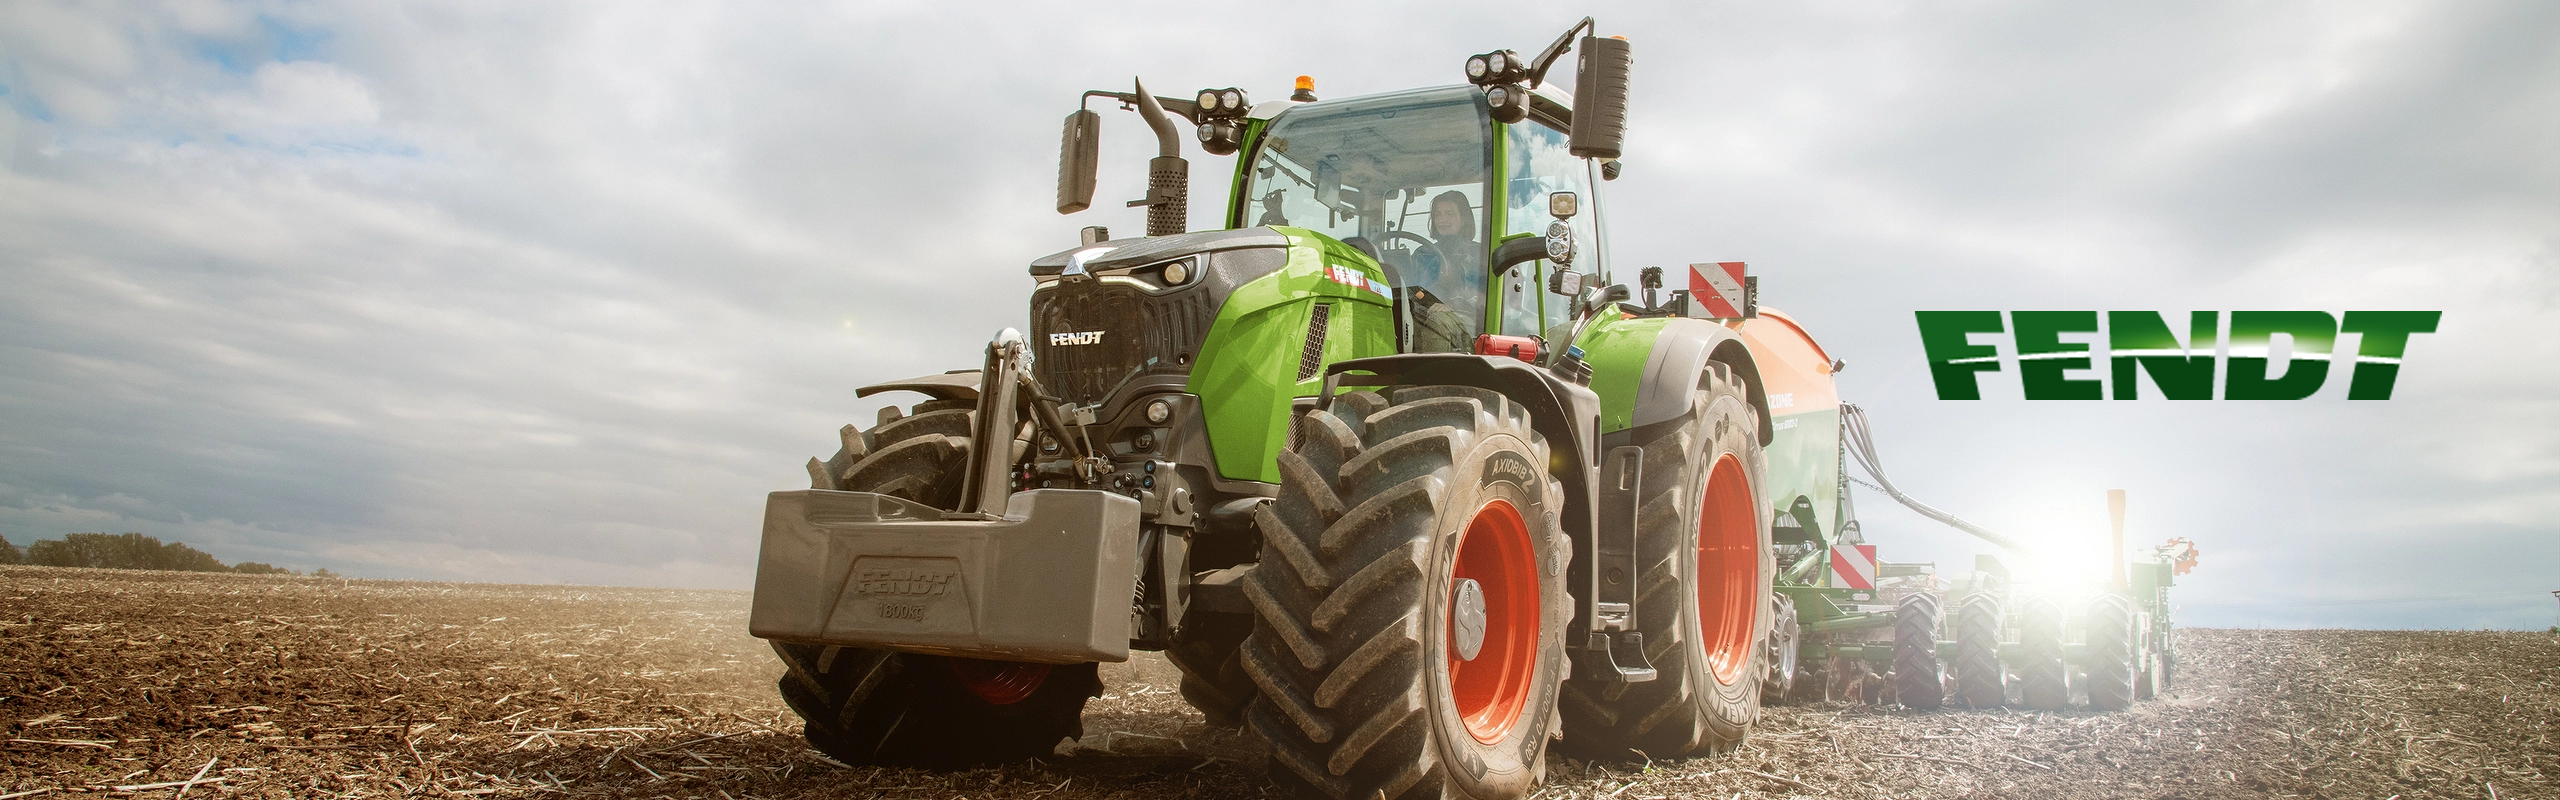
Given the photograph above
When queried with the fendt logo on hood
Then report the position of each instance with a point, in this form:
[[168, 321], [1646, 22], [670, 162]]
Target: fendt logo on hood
[[2141, 342], [1075, 338]]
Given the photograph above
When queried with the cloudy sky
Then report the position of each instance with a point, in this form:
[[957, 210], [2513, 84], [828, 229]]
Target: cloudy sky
[[543, 292]]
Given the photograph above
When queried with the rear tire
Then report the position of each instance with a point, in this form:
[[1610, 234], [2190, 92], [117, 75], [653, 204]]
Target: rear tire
[[867, 706], [1919, 681], [2044, 680], [1704, 634], [1386, 509], [2112, 658], [1980, 680]]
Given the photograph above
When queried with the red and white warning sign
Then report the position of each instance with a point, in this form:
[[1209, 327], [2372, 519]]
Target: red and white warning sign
[[1718, 289], [1853, 566]]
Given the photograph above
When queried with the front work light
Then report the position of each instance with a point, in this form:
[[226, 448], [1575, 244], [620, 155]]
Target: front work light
[[1158, 411], [1221, 137], [1509, 102]]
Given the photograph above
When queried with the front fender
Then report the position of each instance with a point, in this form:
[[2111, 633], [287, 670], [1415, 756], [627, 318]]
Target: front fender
[[1566, 414]]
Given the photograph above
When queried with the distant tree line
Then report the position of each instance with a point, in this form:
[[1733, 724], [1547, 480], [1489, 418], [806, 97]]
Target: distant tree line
[[128, 551]]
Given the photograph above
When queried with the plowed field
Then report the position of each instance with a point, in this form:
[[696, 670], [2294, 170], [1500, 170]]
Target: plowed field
[[224, 685]]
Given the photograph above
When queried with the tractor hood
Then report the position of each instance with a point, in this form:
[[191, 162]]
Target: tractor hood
[[1121, 254], [1134, 314]]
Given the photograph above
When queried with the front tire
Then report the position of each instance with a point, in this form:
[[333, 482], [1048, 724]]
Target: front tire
[[1702, 543], [1406, 533], [867, 706]]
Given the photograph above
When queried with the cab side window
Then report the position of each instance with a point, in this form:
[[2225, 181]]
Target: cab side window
[[1537, 164]]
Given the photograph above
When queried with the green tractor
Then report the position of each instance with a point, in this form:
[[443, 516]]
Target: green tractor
[[1387, 466]]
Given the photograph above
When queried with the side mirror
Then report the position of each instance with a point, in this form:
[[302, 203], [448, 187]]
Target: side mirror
[[1600, 98], [1079, 151], [1565, 282]]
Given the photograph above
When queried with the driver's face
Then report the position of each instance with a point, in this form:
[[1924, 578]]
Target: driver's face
[[1444, 220]]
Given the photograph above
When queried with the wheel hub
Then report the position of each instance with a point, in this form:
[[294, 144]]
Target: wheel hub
[[1728, 570], [1470, 619], [1493, 622]]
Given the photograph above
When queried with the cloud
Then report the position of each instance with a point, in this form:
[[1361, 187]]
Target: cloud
[[498, 290]]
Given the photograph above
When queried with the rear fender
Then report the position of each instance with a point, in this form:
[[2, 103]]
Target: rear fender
[[1676, 367]]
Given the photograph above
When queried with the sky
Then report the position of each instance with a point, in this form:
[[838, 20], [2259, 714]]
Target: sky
[[558, 292]]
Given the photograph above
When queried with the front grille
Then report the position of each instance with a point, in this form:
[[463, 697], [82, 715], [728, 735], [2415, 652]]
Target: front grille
[[1140, 335], [1311, 358]]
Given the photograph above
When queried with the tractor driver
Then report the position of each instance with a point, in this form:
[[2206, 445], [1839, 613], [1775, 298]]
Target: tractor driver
[[1451, 267]]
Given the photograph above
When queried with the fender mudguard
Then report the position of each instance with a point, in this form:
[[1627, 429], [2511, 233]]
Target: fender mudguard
[[1677, 362], [1566, 414], [955, 385]]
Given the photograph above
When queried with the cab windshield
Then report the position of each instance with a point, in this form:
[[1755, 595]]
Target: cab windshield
[[1404, 176]]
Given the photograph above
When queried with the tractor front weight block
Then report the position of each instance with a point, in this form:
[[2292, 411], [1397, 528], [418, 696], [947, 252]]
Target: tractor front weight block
[[1048, 581]]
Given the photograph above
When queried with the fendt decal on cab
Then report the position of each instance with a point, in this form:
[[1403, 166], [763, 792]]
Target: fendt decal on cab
[[1075, 338], [2140, 341]]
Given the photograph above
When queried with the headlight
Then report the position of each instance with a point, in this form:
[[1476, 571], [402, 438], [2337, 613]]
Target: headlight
[[1158, 411], [1498, 96], [1233, 99], [1497, 63], [1177, 273], [1208, 101], [1476, 68]]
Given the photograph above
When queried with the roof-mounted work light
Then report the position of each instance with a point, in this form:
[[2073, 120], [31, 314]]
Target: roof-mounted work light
[[1497, 67], [1222, 119]]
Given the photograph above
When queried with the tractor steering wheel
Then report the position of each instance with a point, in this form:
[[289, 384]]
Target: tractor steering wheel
[[1417, 238]]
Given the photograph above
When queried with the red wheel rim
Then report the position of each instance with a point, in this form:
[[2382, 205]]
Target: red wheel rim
[[1728, 570], [1001, 683], [1491, 690]]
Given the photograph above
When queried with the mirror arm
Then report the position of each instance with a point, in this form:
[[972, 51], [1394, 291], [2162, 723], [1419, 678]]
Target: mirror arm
[[1179, 107], [1563, 45]]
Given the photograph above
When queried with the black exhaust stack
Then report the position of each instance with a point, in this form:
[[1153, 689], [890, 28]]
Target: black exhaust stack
[[1168, 175]]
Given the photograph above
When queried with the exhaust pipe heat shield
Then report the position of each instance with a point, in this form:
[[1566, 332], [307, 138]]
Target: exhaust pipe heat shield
[[1048, 582]]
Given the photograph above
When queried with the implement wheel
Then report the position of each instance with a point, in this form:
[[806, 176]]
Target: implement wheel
[[2113, 654], [1778, 675], [1979, 678], [1409, 602], [866, 706], [1702, 543], [2044, 680], [1919, 680]]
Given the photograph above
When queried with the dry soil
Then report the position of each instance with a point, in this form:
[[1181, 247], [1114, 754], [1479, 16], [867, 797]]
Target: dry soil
[[158, 684]]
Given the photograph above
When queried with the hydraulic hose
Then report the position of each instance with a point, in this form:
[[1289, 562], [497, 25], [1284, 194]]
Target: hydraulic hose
[[1854, 436]]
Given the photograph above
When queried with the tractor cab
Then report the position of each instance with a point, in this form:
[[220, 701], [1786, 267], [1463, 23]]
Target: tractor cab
[[1428, 183]]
